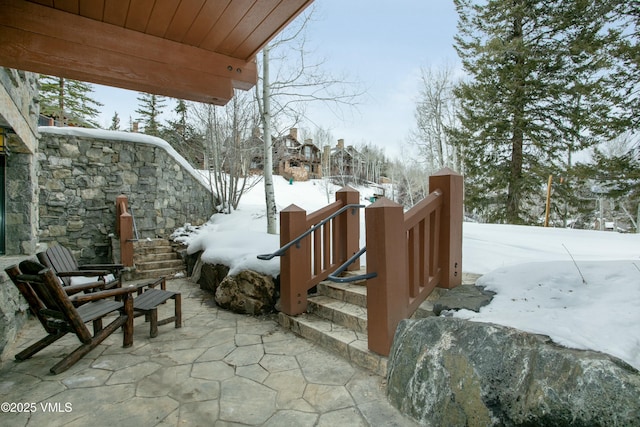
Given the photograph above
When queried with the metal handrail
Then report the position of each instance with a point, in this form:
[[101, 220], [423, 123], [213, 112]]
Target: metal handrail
[[135, 229], [334, 276], [297, 240]]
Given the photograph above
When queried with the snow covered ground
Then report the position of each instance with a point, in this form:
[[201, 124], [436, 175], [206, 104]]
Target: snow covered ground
[[592, 303]]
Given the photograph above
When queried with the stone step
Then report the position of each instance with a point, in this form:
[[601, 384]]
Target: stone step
[[153, 274], [348, 292], [155, 258], [350, 345], [155, 265], [339, 312], [148, 257], [149, 247], [146, 243], [153, 250], [337, 317]]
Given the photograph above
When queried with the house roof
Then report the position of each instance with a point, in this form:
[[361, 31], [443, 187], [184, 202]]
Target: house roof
[[198, 50], [311, 144]]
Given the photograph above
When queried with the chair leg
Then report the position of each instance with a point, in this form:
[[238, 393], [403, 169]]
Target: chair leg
[[153, 319], [178, 309], [127, 340], [34, 348], [79, 352]]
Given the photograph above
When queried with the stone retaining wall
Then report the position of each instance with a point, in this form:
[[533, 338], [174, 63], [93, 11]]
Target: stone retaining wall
[[22, 89], [82, 173], [19, 110]]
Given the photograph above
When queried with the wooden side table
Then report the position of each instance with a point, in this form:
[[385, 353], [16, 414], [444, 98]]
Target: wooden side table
[[147, 303]]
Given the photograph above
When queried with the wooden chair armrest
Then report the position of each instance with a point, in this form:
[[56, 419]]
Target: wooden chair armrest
[[109, 267], [161, 281], [74, 289], [83, 273], [105, 294]]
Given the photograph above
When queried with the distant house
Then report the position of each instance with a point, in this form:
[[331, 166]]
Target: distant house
[[297, 160], [301, 161], [255, 145], [342, 161]]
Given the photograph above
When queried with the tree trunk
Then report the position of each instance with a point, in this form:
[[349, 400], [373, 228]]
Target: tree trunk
[[62, 120], [515, 179], [514, 191], [269, 193]]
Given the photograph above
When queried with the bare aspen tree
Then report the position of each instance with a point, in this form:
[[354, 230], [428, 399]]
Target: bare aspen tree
[[230, 147], [409, 178], [291, 80], [435, 114], [323, 139], [265, 115]]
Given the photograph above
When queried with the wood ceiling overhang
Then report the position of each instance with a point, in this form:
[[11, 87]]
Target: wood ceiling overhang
[[198, 50]]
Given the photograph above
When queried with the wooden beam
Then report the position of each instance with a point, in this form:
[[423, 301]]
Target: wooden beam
[[34, 54], [45, 40]]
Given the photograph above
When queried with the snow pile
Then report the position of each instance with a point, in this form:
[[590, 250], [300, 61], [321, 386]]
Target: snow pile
[[550, 298], [539, 288]]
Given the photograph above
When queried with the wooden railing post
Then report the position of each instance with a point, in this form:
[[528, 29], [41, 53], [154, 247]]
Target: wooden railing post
[[450, 183], [348, 231], [124, 230], [295, 264], [121, 201], [387, 293]]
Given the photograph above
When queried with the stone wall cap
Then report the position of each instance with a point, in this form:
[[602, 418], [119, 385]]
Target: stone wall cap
[[137, 138]]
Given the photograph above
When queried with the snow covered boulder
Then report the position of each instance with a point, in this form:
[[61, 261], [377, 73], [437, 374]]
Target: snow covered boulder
[[247, 292], [448, 371]]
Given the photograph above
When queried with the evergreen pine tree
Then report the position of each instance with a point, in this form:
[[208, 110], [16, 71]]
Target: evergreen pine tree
[[68, 101], [625, 24], [115, 122], [535, 96], [184, 137], [150, 109], [613, 177]]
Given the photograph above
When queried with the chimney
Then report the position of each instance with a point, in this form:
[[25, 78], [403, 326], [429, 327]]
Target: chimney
[[293, 133], [326, 157], [341, 144], [135, 127]]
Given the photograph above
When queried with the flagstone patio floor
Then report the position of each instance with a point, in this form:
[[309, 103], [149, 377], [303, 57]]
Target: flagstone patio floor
[[219, 369]]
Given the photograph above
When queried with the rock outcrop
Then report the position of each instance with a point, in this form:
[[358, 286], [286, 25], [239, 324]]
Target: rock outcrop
[[247, 292], [211, 276], [448, 371]]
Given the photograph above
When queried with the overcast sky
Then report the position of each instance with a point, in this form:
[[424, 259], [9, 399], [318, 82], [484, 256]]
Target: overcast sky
[[381, 44]]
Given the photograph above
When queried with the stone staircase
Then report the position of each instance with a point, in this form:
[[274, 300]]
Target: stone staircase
[[336, 318], [154, 258]]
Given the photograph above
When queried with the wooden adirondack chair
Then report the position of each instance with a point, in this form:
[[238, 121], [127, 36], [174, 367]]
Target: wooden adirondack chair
[[58, 315], [61, 260]]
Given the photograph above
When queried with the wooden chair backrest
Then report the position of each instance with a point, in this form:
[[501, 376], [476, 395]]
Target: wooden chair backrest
[[54, 304], [60, 259]]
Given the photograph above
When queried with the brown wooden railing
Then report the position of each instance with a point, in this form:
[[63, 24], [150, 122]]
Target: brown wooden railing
[[411, 253], [124, 230], [408, 254], [331, 238]]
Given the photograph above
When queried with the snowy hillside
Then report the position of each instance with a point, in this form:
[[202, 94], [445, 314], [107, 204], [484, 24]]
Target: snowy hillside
[[590, 303]]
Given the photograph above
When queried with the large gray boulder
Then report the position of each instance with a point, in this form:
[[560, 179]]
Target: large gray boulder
[[448, 371], [247, 292]]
